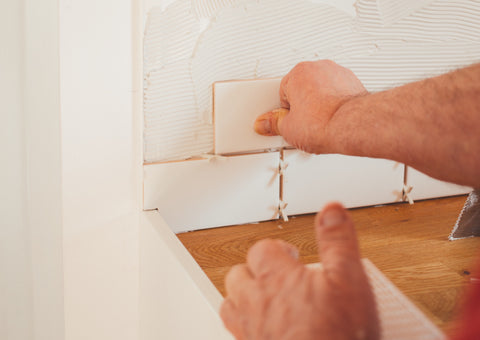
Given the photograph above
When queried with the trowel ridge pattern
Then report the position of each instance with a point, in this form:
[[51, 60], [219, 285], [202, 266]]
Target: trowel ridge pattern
[[191, 44]]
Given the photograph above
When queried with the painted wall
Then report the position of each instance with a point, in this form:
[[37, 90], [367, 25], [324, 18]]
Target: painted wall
[[101, 160], [15, 262], [43, 166], [31, 283], [69, 215]]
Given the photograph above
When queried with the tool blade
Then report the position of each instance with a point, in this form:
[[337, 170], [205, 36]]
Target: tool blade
[[468, 222]]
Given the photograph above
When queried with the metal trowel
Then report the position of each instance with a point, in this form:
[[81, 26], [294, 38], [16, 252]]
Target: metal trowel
[[468, 222]]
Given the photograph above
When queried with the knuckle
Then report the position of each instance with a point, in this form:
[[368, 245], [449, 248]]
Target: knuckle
[[327, 62], [303, 66]]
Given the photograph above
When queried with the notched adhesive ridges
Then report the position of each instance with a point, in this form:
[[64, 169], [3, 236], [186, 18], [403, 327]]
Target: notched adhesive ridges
[[194, 43]]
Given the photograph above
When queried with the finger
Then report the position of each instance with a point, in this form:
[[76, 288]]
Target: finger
[[283, 91], [237, 280], [269, 257], [231, 318], [268, 124], [337, 243]]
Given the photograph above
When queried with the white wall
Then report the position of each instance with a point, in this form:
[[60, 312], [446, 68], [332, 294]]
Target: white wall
[[71, 161], [43, 166], [101, 164], [15, 264], [31, 280]]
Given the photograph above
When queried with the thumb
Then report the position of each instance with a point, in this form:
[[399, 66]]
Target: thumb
[[337, 243], [268, 124]]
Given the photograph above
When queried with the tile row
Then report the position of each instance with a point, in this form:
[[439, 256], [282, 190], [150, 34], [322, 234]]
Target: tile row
[[221, 191]]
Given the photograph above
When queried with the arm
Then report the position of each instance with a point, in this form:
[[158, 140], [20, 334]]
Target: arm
[[432, 125]]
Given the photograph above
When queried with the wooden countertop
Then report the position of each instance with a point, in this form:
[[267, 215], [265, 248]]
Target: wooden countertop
[[408, 243]]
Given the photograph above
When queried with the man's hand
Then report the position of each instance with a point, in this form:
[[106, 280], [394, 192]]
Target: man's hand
[[313, 92], [274, 296]]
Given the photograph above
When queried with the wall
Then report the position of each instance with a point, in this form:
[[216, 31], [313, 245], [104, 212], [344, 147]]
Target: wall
[[31, 259], [15, 262], [43, 166], [100, 167], [69, 215]]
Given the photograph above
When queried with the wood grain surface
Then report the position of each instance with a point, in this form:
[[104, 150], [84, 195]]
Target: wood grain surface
[[408, 243]]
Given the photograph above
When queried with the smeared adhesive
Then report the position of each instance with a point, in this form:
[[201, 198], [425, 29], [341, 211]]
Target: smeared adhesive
[[170, 35], [172, 128], [206, 8], [194, 43], [393, 11]]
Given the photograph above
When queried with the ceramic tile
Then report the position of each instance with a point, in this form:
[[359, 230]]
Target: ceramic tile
[[236, 106], [398, 317], [221, 191], [311, 181], [424, 186]]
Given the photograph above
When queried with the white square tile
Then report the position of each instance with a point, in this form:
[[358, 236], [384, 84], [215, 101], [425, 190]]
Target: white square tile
[[199, 194], [424, 186], [236, 106], [398, 317], [311, 181]]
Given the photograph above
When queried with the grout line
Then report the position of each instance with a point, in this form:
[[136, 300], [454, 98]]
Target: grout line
[[246, 80], [281, 177], [282, 159], [406, 197], [213, 120], [224, 155], [250, 152]]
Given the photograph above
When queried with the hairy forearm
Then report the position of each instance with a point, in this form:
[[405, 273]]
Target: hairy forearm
[[432, 125]]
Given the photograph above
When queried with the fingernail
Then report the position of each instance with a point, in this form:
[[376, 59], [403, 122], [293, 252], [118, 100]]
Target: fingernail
[[262, 125], [333, 217]]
